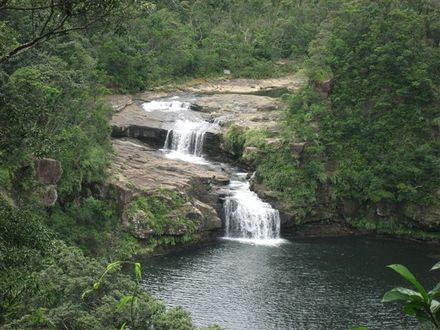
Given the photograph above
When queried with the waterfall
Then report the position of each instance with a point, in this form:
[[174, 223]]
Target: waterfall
[[184, 140], [187, 137], [247, 217]]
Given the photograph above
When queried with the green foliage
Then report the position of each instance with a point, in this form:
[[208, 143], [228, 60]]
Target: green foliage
[[417, 303], [384, 100], [92, 225], [48, 110], [161, 213], [24, 240], [23, 237], [234, 140], [377, 129], [394, 227], [55, 300], [195, 38]]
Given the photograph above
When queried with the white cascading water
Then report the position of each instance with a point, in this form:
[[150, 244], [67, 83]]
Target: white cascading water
[[166, 105], [247, 217], [187, 137], [184, 141]]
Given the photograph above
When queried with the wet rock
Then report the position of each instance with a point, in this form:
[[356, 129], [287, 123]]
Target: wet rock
[[212, 144], [153, 135], [49, 171], [196, 107]]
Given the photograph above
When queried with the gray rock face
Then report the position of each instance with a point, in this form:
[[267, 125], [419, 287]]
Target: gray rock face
[[152, 135], [139, 169], [49, 171], [211, 220], [245, 86], [138, 225], [298, 148], [422, 216]]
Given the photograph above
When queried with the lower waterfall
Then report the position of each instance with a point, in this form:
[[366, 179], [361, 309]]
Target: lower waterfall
[[247, 217]]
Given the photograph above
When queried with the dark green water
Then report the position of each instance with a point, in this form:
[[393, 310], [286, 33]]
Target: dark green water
[[308, 284]]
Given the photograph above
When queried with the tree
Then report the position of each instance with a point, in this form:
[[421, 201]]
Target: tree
[[48, 19]]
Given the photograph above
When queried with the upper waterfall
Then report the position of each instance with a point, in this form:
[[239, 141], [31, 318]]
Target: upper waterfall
[[186, 135]]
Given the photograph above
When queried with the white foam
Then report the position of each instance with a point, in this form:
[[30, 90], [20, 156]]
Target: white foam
[[177, 155], [166, 105], [254, 241]]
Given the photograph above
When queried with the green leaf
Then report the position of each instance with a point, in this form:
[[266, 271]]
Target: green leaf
[[359, 328], [417, 310], [435, 306], [138, 271], [402, 294], [434, 292], [436, 266], [123, 326], [124, 300], [113, 266], [96, 285], [407, 275]]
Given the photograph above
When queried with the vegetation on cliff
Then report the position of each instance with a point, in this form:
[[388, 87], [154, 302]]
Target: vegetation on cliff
[[369, 138], [368, 121]]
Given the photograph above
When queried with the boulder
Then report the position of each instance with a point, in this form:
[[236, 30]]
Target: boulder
[[49, 195], [298, 148], [189, 211], [49, 171], [210, 220], [324, 88], [138, 225], [152, 135]]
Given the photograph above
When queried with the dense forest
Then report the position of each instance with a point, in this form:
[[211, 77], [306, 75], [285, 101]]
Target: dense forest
[[369, 118]]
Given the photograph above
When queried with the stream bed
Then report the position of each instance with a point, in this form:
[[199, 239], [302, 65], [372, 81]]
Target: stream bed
[[306, 284]]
